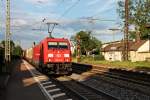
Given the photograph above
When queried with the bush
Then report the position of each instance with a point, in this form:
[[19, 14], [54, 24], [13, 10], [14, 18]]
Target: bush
[[98, 57], [92, 58]]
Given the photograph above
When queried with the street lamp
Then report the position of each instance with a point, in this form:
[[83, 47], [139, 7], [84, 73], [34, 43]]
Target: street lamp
[[114, 30]]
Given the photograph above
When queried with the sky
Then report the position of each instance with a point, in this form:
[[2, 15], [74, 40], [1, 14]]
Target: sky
[[72, 16]]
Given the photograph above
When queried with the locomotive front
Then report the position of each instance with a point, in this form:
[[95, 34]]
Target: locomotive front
[[58, 56]]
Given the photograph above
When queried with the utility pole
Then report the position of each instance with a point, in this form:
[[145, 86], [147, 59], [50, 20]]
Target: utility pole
[[7, 34], [126, 32]]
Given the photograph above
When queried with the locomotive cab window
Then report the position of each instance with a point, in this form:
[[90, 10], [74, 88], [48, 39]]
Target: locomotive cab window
[[52, 45], [63, 45], [57, 45]]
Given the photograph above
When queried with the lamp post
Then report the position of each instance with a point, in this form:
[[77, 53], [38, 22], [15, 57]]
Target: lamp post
[[114, 30]]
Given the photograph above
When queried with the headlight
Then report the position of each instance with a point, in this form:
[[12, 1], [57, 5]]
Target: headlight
[[50, 55], [66, 55]]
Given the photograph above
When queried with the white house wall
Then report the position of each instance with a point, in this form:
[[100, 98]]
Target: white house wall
[[113, 56], [142, 54], [144, 47], [139, 56]]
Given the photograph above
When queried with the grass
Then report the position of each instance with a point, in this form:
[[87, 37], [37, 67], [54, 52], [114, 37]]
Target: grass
[[116, 64]]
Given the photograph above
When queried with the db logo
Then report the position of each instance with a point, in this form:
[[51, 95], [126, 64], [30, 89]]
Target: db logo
[[58, 55]]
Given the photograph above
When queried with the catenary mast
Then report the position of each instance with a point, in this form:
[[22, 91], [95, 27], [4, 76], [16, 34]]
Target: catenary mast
[[7, 34]]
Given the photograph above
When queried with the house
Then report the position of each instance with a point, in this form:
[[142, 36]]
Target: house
[[138, 50]]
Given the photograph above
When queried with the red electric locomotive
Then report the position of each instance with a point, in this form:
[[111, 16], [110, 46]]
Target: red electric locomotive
[[53, 55]]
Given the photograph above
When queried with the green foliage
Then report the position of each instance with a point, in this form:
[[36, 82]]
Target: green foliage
[[139, 15], [132, 35], [98, 57], [12, 45], [87, 42], [1, 55], [17, 51], [92, 58]]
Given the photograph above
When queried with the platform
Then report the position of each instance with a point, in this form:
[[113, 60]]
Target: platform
[[21, 85]]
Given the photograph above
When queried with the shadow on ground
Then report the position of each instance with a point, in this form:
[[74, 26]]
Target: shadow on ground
[[21, 85]]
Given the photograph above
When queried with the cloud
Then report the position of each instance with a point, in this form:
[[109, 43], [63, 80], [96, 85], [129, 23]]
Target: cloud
[[93, 2], [40, 1], [107, 6], [19, 22]]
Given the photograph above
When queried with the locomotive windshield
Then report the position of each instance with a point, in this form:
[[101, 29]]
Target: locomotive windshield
[[57, 45]]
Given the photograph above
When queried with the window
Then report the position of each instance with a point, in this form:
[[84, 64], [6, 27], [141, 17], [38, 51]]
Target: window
[[63, 45], [57, 45], [52, 45]]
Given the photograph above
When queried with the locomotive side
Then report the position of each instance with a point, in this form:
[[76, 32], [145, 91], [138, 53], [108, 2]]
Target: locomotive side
[[52, 55]]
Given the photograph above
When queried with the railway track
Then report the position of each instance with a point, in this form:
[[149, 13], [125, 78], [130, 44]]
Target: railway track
[[119, 91], [141, 75], [117, 85], [121, 76], [83, 91]]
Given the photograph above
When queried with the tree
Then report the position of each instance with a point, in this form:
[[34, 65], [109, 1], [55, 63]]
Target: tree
[[12, 45], [139, 16], [87, 42], [17, 52]]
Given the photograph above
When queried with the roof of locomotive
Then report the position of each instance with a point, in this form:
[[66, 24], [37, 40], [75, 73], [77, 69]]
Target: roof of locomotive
[[51, 39], [54, 39]]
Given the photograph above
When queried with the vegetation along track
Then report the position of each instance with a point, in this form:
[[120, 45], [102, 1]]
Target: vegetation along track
[[122, 87], [82, 91]]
